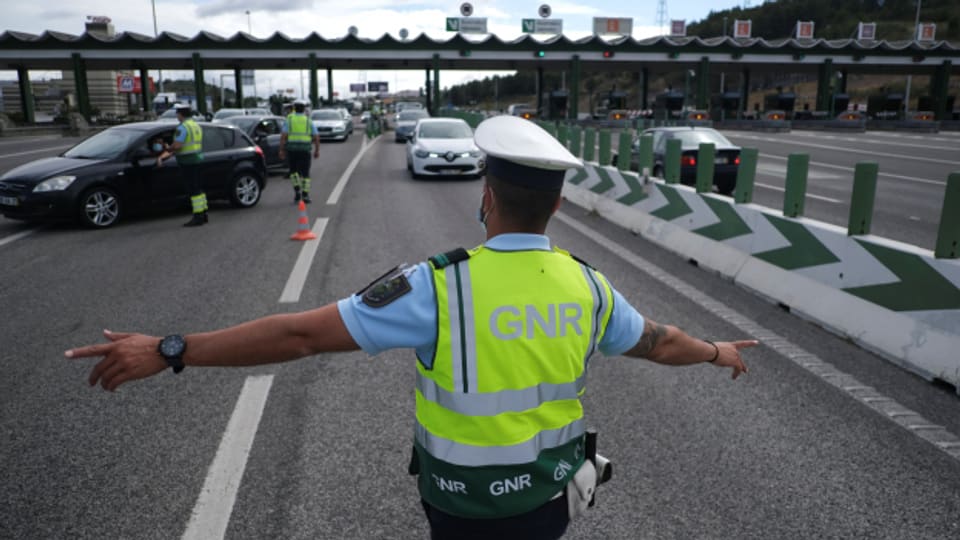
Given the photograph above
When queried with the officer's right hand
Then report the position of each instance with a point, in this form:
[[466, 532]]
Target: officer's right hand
[[729, 355], [283, 154], [126, 357]]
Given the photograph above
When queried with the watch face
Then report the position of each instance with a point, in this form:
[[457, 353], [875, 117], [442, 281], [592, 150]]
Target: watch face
[[172, 346]]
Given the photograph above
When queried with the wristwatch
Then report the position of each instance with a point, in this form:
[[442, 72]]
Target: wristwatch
[[172, 349]]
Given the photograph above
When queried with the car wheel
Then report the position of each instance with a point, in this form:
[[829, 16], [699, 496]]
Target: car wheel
[[726, 188], [99, 207], [613, 160], [245, 189]]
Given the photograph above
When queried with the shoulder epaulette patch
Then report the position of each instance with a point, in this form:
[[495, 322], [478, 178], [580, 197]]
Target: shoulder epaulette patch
[[581, 261], [386, 288], [451, 257]]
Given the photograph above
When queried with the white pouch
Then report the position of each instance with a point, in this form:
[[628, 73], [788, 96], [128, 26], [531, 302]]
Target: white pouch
[[580, 489]]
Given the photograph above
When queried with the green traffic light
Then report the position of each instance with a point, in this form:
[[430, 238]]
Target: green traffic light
[[540, 54]]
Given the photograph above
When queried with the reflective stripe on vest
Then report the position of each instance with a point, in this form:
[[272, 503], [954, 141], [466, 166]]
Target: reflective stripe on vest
[[298, 129], [515, 333], [193, 144]]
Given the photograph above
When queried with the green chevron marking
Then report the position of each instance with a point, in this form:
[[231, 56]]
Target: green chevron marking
[[675, 207], [731, 224], [804, 249], [579, 177], [606, 183], [636, 190], [920, 286]]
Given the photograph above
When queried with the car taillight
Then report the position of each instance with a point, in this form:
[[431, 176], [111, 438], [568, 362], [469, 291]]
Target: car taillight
[[257, 149], [736, 160], [688, 161]]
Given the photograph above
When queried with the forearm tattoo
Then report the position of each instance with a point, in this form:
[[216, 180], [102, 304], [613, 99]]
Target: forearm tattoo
[[652, 332]]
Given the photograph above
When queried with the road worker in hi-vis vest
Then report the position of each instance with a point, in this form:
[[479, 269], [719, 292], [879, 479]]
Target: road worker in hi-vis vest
[[188, 148], [503, 335], [297, 135]]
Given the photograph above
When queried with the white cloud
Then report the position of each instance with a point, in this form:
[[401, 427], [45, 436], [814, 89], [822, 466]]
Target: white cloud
[[219, 6]]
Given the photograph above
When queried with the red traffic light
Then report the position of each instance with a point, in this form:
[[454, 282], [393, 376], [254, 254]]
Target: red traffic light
[[608, 54]]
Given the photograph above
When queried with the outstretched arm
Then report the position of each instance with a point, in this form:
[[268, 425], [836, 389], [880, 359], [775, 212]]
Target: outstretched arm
[[665, 344], [273, 339]]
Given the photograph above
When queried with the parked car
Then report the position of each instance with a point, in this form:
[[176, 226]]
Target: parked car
[[114, 173], [406, 122], [265, 132], [330, 124], [726, 157], [444, 147]]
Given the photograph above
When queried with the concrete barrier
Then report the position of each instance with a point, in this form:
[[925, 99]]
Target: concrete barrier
[[894, 299]]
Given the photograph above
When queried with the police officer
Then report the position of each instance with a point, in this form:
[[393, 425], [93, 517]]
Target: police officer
[[297, 134], [188, 148], [498, 450]]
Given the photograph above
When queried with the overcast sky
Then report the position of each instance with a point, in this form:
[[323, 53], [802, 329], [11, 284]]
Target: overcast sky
[[332, 18]]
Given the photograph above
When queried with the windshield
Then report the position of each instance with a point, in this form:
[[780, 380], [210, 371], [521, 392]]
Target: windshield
[[169, 113], [108, 144], [412, 116], [445, 130], [696, 136], [242, 122], [326, 115], [227, 113]]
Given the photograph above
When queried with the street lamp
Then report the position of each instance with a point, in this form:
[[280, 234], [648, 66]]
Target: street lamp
[[916, 36], [249, 27], [153, 4]]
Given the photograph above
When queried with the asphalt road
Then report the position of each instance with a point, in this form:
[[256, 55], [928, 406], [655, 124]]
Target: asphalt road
[[780, 453]]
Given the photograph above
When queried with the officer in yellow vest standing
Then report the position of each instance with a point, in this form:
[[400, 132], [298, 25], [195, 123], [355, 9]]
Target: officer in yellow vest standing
[[296, 136], [502, 333], [188, 148]]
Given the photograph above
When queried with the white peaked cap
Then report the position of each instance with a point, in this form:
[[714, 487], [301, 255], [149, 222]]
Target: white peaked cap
[[523, 142]]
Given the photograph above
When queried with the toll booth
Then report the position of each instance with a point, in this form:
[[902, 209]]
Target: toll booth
[[725, 106], [840, 103], [927, 103], [555, 105], [781, 101], [885, 106], [668, 105], [609, 101]]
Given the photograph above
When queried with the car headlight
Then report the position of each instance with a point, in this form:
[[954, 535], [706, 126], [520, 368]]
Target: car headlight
[[421, 154], [57, 183], [475, 153]]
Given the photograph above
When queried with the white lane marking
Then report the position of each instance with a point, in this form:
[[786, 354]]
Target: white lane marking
[[940, 438], [36, 151], [342, 183], [14, 237], [851, 169], [29, 140], [859, 151], [894, 142], [298, 276], [811, 195], [211, 513]]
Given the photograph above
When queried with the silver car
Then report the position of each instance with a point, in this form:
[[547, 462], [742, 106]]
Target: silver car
[[444, 147], [330, 124]]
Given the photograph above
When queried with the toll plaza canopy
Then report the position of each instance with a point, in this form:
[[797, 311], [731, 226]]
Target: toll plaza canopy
[[658, 55]]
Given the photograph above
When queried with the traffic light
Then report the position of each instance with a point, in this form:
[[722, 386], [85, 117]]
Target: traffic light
[[608, 54], [464, 52], [539, 54]]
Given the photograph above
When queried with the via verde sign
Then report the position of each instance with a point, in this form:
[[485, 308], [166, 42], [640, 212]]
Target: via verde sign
[[467, 25], [542, 26]]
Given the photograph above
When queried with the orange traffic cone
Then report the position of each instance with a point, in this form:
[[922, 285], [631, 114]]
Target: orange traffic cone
[[303, 226]]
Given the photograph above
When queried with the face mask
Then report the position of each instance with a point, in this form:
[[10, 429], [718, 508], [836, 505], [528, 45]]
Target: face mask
[[157, 147]]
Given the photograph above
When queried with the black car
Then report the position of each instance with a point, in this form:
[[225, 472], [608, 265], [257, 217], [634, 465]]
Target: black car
[[265, 131], [726, 156], [114, 173]]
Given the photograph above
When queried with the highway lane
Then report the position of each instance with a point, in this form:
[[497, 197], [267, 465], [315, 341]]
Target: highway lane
[[779, 454]]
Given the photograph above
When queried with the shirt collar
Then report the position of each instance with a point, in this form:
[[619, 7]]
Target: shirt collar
[[518, 242]]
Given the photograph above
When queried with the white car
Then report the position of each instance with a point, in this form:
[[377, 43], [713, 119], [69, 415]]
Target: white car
[[330, 124], [444, 147]]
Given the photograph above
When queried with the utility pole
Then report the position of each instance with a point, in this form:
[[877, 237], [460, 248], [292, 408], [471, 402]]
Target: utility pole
[[916, 32], [662, 15], [153, 4]]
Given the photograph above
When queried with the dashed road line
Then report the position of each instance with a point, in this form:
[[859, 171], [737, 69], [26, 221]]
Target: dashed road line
[[14, 237], [298, 276], [810, 195], [36, 151], [345, 177]]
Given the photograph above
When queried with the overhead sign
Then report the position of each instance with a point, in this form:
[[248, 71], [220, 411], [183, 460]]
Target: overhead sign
[[678, 28], [130, 84], [542, 26], [544, 11], [612, 25], [467, 25], [867, 31], [378, 86], [742, 29], [804, 29], [926, 32], [358, 87], [466, 9]]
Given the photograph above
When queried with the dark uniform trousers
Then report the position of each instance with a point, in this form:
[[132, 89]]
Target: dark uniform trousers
[[547, 522], [191, 178], [299, 162]]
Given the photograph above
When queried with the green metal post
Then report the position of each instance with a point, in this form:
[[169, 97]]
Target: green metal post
[[861, 202], [940, 86], [703, 84], [646, 153], [573, 106], [26, 95], [645, 92], [824, 76], [746, 173], [948, 237], [576, 141], [604, 157], [540, 93], [427, 93], [80, 82], [238, 85], [796, 190], [551, 129], [199, 85], [144, 89], [314, 82], [624, 152], [744, 92], [436, 83], [671, 174], [705, 166], [330, 84], [589, 144]]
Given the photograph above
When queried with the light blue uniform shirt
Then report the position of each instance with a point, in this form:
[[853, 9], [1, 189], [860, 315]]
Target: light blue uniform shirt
[[180, 135], [411, 320]]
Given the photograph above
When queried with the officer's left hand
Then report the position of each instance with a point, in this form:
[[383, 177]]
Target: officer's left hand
[[729, 355], [316, 154], [126, 357]]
